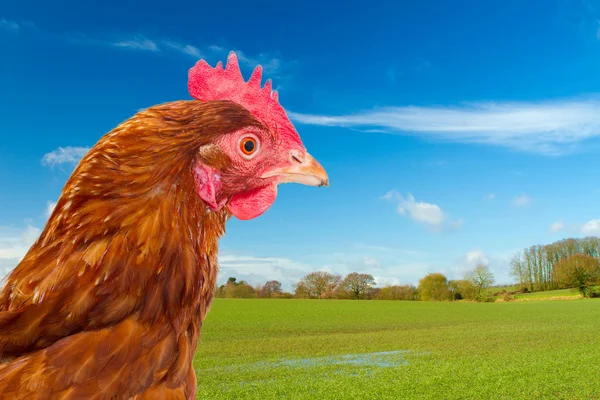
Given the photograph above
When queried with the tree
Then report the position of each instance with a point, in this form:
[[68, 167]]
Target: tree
[[358, 284], [481, 278], [234, 289], [319, 284], [242, 291], [398, 292], [434, 286], [534, 266], [301, 291], [579, 271], [271, 289], [518, 269]]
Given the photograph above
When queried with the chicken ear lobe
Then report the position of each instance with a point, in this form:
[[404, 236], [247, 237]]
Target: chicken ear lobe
[[208, 185]]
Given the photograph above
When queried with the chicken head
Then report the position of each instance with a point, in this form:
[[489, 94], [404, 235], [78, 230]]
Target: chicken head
[[258, 158]]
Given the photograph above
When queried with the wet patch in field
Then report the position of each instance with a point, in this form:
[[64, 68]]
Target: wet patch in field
[[362, 365], [379, 359]]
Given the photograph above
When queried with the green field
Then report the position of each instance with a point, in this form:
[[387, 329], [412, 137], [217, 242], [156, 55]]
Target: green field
[[319, 349], [549, 294]]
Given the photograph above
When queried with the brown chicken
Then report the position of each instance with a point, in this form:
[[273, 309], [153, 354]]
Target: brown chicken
[[109, 301]]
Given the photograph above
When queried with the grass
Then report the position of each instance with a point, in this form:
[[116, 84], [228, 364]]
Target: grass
[[510, 288], [307, 349], [549, 294]]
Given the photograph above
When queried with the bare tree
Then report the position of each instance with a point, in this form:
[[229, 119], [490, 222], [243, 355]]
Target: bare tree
[[358, 284], [481, 278], [319, 284], [271, 289]]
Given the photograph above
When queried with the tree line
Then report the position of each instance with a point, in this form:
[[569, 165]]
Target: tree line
[[567, 263], [361, 286]]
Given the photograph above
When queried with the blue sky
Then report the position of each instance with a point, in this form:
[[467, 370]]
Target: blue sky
[[452, 132]]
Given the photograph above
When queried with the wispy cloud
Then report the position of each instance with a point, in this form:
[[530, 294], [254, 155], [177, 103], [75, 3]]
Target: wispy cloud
[[138, 43], [272, 63], [428, 214], [521, 201], [156, 46], [549, 127], [9, 25], [557, 226], [490, 196], [392, 250], [64, 155], [184, 48]]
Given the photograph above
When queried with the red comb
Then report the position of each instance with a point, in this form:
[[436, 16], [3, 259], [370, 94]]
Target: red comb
[[207, 83]]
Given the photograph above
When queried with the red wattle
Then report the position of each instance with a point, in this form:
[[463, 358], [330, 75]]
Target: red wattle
[[253, 203]]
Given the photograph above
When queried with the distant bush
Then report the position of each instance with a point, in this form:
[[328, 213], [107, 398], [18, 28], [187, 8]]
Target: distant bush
[[434, 286], [285, 295], [397, 292], [234, 289]]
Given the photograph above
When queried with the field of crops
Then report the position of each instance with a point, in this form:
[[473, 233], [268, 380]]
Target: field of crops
[[309, 349]]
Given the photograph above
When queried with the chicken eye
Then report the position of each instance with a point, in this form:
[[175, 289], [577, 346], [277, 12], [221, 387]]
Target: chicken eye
[[248, 145]]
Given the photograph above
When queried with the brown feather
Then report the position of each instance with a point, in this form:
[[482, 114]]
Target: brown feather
[[109, 301]]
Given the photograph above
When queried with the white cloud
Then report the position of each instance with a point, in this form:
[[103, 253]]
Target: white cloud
[[49, 208], [426, 213], [14, 244], [490, 196], [371, 262], [549, 127], [498, 261], [521, 201], [467, 262], [261, 269], [138, 43], [557, 226], [64, 155], [382, 281], [475, 257], [592, 227], [419, 211]]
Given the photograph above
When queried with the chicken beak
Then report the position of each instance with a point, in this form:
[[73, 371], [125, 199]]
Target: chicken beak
[[303, 169]]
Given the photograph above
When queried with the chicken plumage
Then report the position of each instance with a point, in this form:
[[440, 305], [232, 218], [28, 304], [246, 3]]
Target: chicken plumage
[[108, 303]]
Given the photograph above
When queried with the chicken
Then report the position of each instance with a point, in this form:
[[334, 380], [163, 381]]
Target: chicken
[[108, 303]]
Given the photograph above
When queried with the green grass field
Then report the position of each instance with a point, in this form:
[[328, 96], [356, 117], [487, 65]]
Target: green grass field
[[549, 294], [319, 349]]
